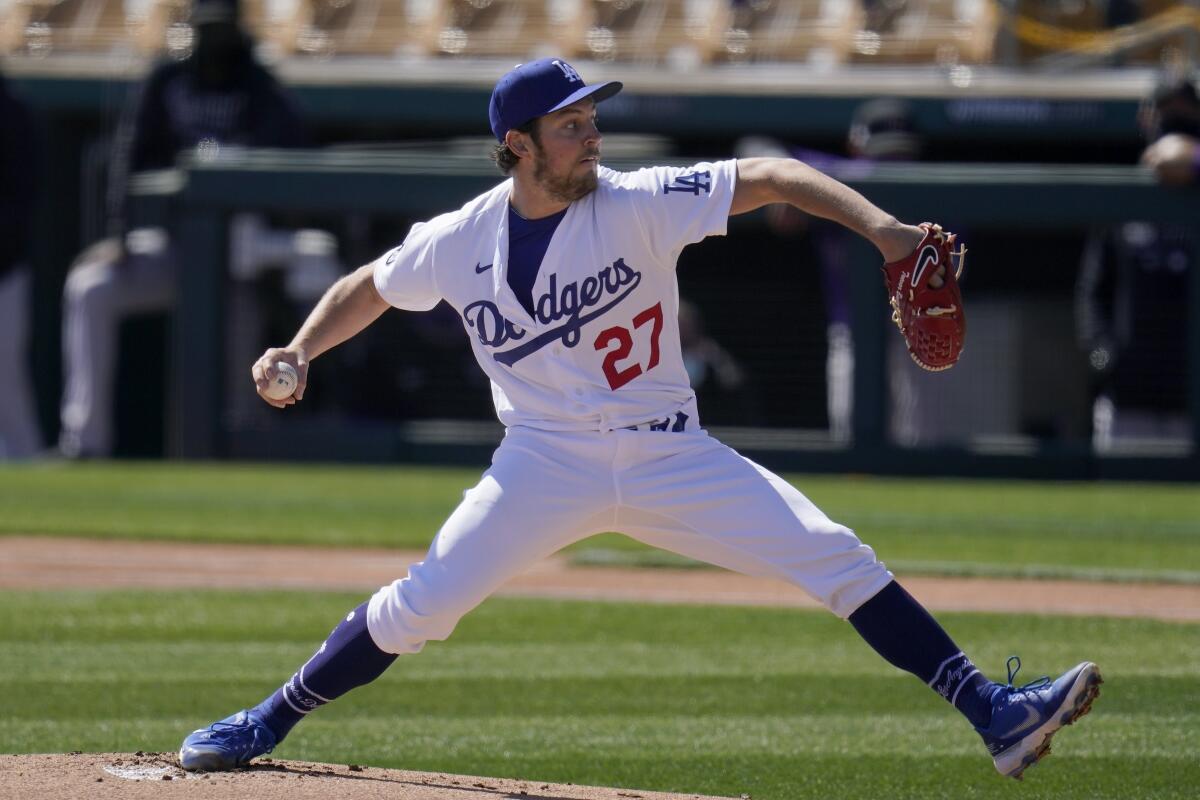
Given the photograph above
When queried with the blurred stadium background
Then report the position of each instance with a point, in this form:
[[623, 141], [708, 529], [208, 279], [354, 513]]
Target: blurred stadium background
[[1027, 114]]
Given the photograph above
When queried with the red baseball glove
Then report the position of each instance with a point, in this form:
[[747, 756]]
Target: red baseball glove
[[931, 320]]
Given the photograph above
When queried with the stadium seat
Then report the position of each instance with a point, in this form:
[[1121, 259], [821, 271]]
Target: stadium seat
[[1153, 32], [143, 27], [155, 26], [1172, 32], [45, 27], [517, 28], [342, 27], [683, 32], [1039, 26], [392, 28], [924, 31], [816, 31]]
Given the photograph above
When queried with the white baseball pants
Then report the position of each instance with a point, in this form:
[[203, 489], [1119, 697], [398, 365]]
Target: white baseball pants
[[104, 288], [679, 491], [101, 291]]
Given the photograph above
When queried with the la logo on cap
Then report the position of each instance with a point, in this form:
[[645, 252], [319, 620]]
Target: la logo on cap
[[537, 88], [567, 70]]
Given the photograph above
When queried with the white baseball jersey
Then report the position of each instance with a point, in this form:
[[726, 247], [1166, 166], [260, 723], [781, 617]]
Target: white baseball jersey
[[602, 431], [603, 350]]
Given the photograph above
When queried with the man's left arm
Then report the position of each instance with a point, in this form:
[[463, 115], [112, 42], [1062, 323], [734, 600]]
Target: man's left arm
[[920, 262], [762, 181]]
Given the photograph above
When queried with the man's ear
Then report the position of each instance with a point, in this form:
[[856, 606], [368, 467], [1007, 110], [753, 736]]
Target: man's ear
[[517, 142]]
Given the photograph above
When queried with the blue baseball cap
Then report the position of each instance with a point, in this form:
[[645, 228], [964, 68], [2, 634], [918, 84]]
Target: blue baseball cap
[[535, 89]]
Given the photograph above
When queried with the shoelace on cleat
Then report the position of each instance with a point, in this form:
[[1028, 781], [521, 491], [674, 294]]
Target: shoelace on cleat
[[1040, 683], [232, 727]]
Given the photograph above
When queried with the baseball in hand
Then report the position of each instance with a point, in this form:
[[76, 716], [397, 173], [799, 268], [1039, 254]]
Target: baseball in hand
[[284, 383]]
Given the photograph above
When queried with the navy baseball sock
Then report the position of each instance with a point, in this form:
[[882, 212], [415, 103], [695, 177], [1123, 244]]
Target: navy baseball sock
[[908, 637], [347, 659]]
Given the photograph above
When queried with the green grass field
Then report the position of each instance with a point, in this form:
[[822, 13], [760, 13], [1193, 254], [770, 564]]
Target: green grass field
[[774, 703], [1079, 530]]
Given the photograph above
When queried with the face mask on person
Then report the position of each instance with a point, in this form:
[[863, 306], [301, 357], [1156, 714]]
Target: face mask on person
[[1174, 107], [1181, 120], [220, 53]]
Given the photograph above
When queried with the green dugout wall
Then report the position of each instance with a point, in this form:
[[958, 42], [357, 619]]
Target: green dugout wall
[[203, 195], [1094, 114]]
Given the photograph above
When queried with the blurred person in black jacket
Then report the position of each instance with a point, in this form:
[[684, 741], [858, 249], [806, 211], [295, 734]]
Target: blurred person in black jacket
[[218, 96], [881, 130], [1131, 308], [19, 435]]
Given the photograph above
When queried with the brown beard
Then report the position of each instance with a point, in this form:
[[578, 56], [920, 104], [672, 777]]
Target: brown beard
[[562, 188]]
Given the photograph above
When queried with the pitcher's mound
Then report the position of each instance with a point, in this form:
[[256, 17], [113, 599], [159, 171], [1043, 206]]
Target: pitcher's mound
[[157, 775]]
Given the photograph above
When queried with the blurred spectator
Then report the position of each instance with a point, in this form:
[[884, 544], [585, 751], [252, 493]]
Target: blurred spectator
[[881, 15], [1131, 308], [217, 96], [880, 130], [1171, 121], [19, 436], [714, 373]]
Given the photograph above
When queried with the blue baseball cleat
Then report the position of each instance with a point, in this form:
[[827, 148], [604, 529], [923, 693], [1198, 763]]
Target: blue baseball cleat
[[1024, 718], [227, 744]]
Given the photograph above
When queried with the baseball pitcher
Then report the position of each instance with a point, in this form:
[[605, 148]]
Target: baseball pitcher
[[564, 278]]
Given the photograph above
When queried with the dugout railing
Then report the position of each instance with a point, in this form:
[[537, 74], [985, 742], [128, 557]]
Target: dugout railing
[[198, 200], [1068, 117]]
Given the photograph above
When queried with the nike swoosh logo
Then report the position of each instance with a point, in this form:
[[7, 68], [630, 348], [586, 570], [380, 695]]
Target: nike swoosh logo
[[1032, 718], [481, 269], [928, 256]]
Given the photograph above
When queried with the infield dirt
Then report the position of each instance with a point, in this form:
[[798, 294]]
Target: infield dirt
[[60, 563], [28, 562], [158, 776]]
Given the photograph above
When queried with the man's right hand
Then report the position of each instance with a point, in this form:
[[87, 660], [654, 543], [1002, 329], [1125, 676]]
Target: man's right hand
[[263, 372]]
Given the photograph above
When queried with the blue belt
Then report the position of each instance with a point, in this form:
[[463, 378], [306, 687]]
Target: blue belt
[[675, 423]]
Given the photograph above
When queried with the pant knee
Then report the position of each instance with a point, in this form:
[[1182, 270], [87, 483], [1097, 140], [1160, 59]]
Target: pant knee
[[408, 612], [856, 577], [89, 285]]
